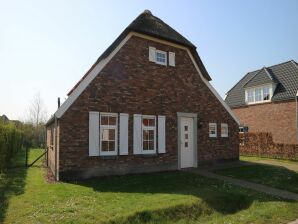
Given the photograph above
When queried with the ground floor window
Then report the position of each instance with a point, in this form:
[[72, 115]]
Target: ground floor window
[[224, 130], [212, 130], [148, 134], [108, 133]]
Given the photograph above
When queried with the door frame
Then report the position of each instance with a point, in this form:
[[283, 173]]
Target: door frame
[[194, 116]]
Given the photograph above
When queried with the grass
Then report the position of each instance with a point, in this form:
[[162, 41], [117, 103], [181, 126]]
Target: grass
[[172, 197], [254, 158], [275, 175]]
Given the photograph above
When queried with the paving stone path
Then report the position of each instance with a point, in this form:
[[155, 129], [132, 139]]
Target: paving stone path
[[247, 184]]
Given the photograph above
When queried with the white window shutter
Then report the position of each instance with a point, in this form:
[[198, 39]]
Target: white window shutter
[[172, 59], [152, 54], [123, 148], [93, 133], [137, 134], [161, 134]]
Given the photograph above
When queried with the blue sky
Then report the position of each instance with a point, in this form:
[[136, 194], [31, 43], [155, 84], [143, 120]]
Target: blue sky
[[47, 46]]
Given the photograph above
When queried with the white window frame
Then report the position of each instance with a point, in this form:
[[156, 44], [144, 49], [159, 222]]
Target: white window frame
[[115, 127], [149, 128], [254, 89], [224, 134], [215, 126], [161, 52]]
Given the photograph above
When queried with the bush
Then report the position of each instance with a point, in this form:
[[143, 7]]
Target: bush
[[11, 141]]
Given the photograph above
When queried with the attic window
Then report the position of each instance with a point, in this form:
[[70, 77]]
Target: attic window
[[258, 94], [161, 57]]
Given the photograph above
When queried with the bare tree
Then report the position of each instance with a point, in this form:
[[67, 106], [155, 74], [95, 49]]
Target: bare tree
[[37, 117], [37, 113]]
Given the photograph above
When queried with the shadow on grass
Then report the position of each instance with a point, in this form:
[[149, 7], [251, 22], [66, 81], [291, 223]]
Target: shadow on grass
[[271, 175], [213, 195], [12, 182]]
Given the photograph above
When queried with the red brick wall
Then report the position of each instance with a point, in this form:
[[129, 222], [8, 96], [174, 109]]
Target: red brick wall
[[131, 84], [276, 118], [261, 144]]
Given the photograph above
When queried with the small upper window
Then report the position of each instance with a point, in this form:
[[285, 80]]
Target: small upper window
[[224, 130], [161, 57], [212, 130]]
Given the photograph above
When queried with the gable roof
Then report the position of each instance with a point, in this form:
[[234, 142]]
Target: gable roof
[[285, 75], [261, 77], [110, 53], [148, 24]]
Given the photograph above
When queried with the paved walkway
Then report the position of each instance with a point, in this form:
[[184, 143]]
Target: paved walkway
[[247, 184], [294, 222]]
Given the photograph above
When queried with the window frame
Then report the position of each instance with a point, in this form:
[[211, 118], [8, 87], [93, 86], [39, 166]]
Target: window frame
[[215, 134], [161, 52], [148, 128], [109, 127], [224, 125], [253, 90]]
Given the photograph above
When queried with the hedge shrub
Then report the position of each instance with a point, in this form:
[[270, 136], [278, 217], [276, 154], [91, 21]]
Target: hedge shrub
[[11, 141]]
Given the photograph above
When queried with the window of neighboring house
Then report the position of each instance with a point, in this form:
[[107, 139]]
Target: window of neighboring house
[[212, 130], [266, 93], [243, 129], [258, 94], [108, 133], [224, 130], [161, 57], [148, 134], [250, 96]]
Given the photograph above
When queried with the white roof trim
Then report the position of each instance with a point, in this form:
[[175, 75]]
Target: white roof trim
[[215, 93], [88, 79], [197, 68], [95, 71]]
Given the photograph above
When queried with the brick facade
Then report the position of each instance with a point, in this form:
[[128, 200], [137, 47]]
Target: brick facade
[[131, 84], [278, 118]]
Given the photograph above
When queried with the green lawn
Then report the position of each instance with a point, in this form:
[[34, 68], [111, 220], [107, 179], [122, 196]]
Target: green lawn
[[274, 173], [173, 197], [254, 159]]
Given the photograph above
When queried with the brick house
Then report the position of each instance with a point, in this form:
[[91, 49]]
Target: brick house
[[265, 101], [146, 105]]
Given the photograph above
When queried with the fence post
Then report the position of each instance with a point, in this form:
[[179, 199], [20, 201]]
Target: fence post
[[26, 162]]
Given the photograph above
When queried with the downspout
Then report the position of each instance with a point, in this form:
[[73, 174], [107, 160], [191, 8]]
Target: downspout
[[296, 97], [56, 145], [56, 151], [46, 147]]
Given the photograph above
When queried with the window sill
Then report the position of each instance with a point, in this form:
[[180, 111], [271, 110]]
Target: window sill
[[111, 157]]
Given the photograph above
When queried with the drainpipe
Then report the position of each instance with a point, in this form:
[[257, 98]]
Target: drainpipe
[[56, 156], [296, 97]]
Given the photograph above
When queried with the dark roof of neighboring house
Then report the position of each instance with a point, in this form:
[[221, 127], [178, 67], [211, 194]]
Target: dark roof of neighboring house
[[4, 118], [261, 77], [285, 75], [150, 25]]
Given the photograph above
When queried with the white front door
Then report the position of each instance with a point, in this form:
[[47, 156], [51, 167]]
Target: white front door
[[187, 153]]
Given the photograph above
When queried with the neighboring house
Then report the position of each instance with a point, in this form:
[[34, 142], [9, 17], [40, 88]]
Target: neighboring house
[[146, 105], [4, 118], [264, 101]]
